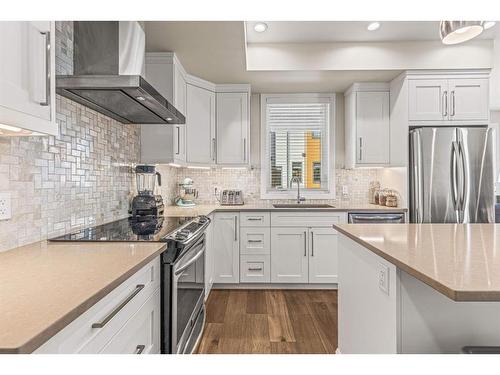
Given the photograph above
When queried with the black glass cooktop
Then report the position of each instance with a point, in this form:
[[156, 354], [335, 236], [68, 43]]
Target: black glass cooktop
[[131, 229]]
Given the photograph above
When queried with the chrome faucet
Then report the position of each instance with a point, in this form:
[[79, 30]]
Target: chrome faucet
[[297, 180]]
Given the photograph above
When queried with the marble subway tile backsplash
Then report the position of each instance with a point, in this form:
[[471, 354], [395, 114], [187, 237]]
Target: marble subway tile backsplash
[[82, 177]]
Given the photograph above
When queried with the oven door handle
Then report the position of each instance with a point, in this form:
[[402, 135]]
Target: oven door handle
[[194, 259]]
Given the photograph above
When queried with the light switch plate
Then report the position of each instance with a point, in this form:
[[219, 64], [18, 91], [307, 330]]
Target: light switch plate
[[5, 208], [383, 278]]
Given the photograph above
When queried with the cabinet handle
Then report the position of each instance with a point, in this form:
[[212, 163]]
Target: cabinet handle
[[452, 103], [254, 219], [236, 228], [312, 244], [139, 349], [255, 269], [117, 309], [445, 101], [360, 148], [178, 139], [254, 241], [47, 67], [305, 243], [244, 149], [214, 149]]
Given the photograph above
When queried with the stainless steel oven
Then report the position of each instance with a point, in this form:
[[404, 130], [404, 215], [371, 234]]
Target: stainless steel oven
[[188, 293], [183, 289]]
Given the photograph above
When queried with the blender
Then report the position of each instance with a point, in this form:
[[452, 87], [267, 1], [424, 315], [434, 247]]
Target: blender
[[146, 203]]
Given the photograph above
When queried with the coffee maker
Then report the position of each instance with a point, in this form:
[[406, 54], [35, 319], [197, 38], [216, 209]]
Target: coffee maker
[[146, 203]]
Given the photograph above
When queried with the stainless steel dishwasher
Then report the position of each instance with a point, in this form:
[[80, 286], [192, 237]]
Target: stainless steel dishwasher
[[376, 217]]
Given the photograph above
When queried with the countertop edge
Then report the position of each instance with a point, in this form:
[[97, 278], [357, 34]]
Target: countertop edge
[[455, 295], [36, 341]]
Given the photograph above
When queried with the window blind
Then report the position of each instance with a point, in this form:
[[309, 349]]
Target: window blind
[[298, 144]]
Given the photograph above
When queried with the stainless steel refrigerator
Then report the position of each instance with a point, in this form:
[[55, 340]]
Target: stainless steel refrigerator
[[452, 175]]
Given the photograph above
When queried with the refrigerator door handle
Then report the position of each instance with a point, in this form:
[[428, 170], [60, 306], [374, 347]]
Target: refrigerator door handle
[[465, 176], [454, 183], [417, 177]]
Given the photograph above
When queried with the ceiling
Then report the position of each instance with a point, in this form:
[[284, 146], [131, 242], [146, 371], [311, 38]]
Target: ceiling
[[348, 31], [215, 51]]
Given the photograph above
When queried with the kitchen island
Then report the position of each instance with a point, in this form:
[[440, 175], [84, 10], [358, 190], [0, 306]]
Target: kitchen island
[[418, 288]]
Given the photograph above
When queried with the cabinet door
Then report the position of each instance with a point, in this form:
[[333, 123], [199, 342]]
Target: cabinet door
[[428, 100], [179, 90], [469, 99], [226, 249], [232, 128], [323, 263], [27, 71], [372, 127], [289, 259], [200, 125]]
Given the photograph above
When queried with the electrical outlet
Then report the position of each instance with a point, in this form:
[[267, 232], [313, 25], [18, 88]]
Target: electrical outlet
[[345, 191], [5, 208], [383, 278]]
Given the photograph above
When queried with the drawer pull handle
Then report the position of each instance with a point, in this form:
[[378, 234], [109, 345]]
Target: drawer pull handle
[[254, 219], [139, 349], [253, 241], [136, 291], [255, 269]]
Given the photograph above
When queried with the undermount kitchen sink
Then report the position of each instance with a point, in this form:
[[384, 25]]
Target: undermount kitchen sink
[[301, 205]]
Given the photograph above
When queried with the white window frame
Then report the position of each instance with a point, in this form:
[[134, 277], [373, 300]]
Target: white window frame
[[265, 150]]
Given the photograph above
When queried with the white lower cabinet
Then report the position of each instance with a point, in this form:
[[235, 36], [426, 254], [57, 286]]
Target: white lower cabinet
[[121, 322], [323, 262], [289, 258], [141, 333], [226, 247], [255, 268], [304, 255]]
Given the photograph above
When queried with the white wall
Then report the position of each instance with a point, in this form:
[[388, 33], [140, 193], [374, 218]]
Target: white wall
[[369, 56]]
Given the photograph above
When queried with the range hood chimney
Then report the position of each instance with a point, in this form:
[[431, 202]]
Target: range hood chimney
[[108, 70]]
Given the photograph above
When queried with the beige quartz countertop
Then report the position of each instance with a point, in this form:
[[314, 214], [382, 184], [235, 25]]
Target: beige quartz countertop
[[46, 285], [461, 261], [208, 209]]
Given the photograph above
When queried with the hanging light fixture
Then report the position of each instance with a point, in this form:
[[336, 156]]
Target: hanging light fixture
[[454, 32]]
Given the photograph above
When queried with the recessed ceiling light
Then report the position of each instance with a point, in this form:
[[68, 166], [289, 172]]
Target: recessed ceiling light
[[260, 27], [169, 118], [373, 26], [489, 24], [141, 98]]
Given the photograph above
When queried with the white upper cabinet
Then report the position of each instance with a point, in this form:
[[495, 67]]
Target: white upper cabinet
[[469, 99], [165, 143], [27, 76], [452, 99], [428, 100], [200, 126], [367, 125], [232, 128]]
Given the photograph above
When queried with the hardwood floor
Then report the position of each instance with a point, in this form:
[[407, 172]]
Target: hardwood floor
[[270, 321]]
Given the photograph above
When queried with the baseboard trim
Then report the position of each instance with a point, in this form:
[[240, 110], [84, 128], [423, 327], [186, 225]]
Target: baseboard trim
[[276, 286]]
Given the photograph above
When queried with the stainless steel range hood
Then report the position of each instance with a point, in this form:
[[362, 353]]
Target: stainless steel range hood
[[108, 70]]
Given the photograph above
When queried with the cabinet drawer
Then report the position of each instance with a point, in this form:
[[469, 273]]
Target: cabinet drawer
[[141, 333], [255, 241], [113, 310], [255, 219], [306, 219], [255, 269]]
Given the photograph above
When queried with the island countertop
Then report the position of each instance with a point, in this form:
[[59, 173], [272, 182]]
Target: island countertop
[[461, 261], [46, 285]]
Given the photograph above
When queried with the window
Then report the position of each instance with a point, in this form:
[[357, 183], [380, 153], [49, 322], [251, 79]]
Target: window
[[297, 133]]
